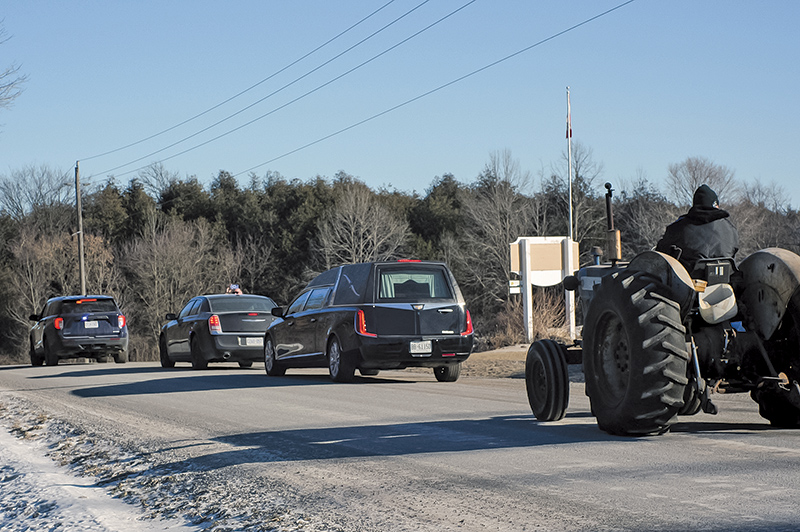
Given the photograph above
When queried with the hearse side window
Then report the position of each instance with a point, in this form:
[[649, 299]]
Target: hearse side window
[[297, 304], [317, 298], [408, 285], [352, 284]]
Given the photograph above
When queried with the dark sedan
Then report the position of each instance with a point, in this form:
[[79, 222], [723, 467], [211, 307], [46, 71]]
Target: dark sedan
[[216, 328], [373, 316]]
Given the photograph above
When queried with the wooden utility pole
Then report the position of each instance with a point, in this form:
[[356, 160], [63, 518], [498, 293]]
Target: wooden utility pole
[[82, 269]]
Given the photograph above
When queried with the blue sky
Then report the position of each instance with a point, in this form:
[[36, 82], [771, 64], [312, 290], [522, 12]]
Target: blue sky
[[652, 83]]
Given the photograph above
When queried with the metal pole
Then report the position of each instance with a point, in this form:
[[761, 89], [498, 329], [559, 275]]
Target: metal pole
[[527, 286], [82, 269], [569, 151], [569, 296]]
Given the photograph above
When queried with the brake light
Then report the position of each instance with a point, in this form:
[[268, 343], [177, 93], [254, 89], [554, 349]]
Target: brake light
[[121, 321], [408, 260], [214, 325], [469, 330], [81, 301], [361, 324], [59, 323], [252, 313]]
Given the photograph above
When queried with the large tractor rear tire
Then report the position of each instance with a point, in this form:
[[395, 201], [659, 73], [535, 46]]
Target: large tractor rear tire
[[547, 380], [634, 355]]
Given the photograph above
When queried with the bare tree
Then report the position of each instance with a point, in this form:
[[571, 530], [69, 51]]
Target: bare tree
[[171, 262], [39, 190], [496, 213], [156, 179], [253, 253], [358, 228], [764, 219], [684, 178], [11, 81], [46, 265], [642, 214]]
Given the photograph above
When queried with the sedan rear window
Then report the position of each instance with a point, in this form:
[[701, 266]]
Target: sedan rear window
[[79, 306], [241, 303], [409, 285]]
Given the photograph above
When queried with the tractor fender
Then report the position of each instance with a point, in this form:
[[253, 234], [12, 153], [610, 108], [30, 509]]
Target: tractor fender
[[770, 277], [671, 273]]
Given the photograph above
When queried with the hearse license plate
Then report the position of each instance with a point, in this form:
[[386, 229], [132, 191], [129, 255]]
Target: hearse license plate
[[258, 341], [425, 346], [90, 324]]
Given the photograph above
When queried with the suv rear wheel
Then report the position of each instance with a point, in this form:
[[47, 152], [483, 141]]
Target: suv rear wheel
[[50, 356], [36, 360]]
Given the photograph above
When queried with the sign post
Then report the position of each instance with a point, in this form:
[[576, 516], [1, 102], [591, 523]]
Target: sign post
[[544, 261]]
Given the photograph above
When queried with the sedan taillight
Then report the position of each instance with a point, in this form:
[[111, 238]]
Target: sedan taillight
[[58, 323], [469, 330], [121, 321], [214, 325], [361, 324]]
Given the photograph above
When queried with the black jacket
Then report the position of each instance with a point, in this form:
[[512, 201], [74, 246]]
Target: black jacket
[[703, 232]]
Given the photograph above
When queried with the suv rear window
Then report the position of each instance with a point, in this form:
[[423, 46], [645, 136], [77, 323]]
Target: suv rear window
[[78, 306], [412, 285]]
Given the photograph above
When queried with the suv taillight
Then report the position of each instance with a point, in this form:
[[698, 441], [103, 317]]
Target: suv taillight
[[58, 323], [469, 330], [214, 325], [361, 324], [121, 321]]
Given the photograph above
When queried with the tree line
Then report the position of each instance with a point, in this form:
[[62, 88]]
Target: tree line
[[161, 239]]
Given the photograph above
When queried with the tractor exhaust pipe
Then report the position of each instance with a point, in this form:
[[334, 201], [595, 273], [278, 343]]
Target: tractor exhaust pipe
[[613, 241]]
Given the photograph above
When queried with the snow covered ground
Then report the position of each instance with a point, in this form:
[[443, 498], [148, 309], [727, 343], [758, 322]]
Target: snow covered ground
[[38, 494], [56, 476]]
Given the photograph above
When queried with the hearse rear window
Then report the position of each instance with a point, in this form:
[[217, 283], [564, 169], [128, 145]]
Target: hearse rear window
[[417, 284]]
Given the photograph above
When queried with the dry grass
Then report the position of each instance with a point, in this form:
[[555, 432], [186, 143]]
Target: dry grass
[[507, 327]]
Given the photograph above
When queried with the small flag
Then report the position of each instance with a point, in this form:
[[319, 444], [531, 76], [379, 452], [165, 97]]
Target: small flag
[[569, 118]]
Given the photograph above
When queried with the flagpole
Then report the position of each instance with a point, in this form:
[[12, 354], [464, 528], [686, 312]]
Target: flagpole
[[569, 152], [569, 296]]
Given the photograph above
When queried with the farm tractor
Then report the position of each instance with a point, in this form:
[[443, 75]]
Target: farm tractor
[[657, 343]]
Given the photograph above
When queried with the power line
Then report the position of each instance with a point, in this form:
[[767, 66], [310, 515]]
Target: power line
[[437, 89], [326, 43], [240, 111]]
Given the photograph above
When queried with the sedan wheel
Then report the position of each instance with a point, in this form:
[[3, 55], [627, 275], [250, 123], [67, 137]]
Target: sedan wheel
[[341, 369], [198, 362], [164, 354], [271, 365]]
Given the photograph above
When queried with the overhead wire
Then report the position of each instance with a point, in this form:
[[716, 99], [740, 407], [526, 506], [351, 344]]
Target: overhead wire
[[278, 91], [248, 89], [437, 89]]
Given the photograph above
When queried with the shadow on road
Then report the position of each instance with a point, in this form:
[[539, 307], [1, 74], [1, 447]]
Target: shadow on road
[[335, 443]]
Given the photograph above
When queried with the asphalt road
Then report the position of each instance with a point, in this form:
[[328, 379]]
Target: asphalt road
[[401, 451]]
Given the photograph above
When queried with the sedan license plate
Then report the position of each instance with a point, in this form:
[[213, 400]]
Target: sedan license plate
[[425, 346], [257, 341], [90, 324]]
